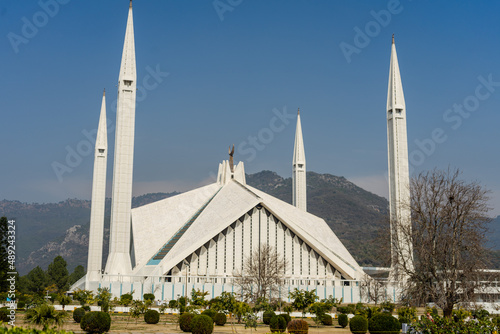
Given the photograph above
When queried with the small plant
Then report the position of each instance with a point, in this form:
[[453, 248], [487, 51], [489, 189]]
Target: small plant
[[358, 324], [220, 319], [384, 323], [172, 304], [298, 326], [126, 299], [96, 322], [286, 316], [406, 315], [185, 321], [4, 314], [266, 317], [45, 316], [327, 320], [151, 317], [209, 312], [343, 320], [277, 324], [202, 324], [78, 314], [149, 296]]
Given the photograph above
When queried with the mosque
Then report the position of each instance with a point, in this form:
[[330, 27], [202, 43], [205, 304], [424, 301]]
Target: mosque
[[201, 238]]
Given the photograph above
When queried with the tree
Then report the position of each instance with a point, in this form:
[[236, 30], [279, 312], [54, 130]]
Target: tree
[[36, 280], [63, 300], [103, 298], [449, 223], [302, 299], [58, 274], [83, 296], [262, 274], [372, 289], [45, 316], [198, 297], [77, 273], [4, 254]]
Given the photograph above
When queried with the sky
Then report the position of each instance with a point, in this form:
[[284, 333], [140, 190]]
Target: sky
[[216, 73]]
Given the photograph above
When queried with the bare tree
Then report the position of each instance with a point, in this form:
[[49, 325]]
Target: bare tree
[[373, 290], [448, 234], [262, 274]]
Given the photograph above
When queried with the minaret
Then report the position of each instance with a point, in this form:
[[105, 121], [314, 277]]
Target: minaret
[[399, 176], [119, 244], [94, 264], [299, 196]]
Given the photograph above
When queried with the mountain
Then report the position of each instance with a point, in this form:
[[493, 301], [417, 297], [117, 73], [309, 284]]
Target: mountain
[[354, 214]]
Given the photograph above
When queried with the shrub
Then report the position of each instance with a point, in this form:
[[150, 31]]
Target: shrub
[[342, 309], [151, 317], [185, 321], [277, 324], [172, 303], [298, 326], [388, 306], [266, 317], [21, 305], [358, 324], [481, 314], [343, 320], [406, 315], [220, 319], [286, 316], [96, 322], [148, 296], [211, 313], [4, 314], [86, 308], [384, 323], [327, 320], [78, 314], [202, 324], [496, 320]]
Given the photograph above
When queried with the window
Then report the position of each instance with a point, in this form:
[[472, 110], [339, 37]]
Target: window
[[101, 150], [127, 83]]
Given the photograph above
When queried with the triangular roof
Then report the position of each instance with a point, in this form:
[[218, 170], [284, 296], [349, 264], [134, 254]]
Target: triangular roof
[[154, 224]]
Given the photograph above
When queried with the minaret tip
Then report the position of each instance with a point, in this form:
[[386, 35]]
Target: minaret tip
[[298, 112], [392, 34], [130, 6], [104, 92]]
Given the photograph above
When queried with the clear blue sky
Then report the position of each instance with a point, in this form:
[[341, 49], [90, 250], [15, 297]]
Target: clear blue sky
[[229, 70]]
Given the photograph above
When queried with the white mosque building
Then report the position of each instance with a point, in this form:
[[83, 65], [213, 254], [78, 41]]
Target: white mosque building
[[201, 238]]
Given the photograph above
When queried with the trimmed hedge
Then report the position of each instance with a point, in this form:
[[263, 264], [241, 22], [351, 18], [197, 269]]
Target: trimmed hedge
[[78, 314], [327, 320], [286, 316], [298, 326], [220, 319], [202, 324], [343, 320], [384, 323], [266, 317], [185, 321], [96, 322], [358, 324], [4, 314], [211, 313], [151, 317], [148, 296], [277, 324]]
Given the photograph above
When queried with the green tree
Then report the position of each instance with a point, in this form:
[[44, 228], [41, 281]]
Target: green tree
[[126, 299], [241, 309], [198, 298], [78, 273], [45, 316], [36, 281], [58, 274], [84, 297], [103, 298], [4, 254], [302, 299], [63, 300]]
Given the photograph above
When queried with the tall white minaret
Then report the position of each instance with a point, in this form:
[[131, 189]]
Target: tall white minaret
[[94, 264], [119, 244], [399, 176], [299, 196]]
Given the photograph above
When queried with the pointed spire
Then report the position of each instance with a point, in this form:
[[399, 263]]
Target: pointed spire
[[127, 67], [130, 6], [299, 196], [392, 34], [395, 96], [101, 141], [104, 92]]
